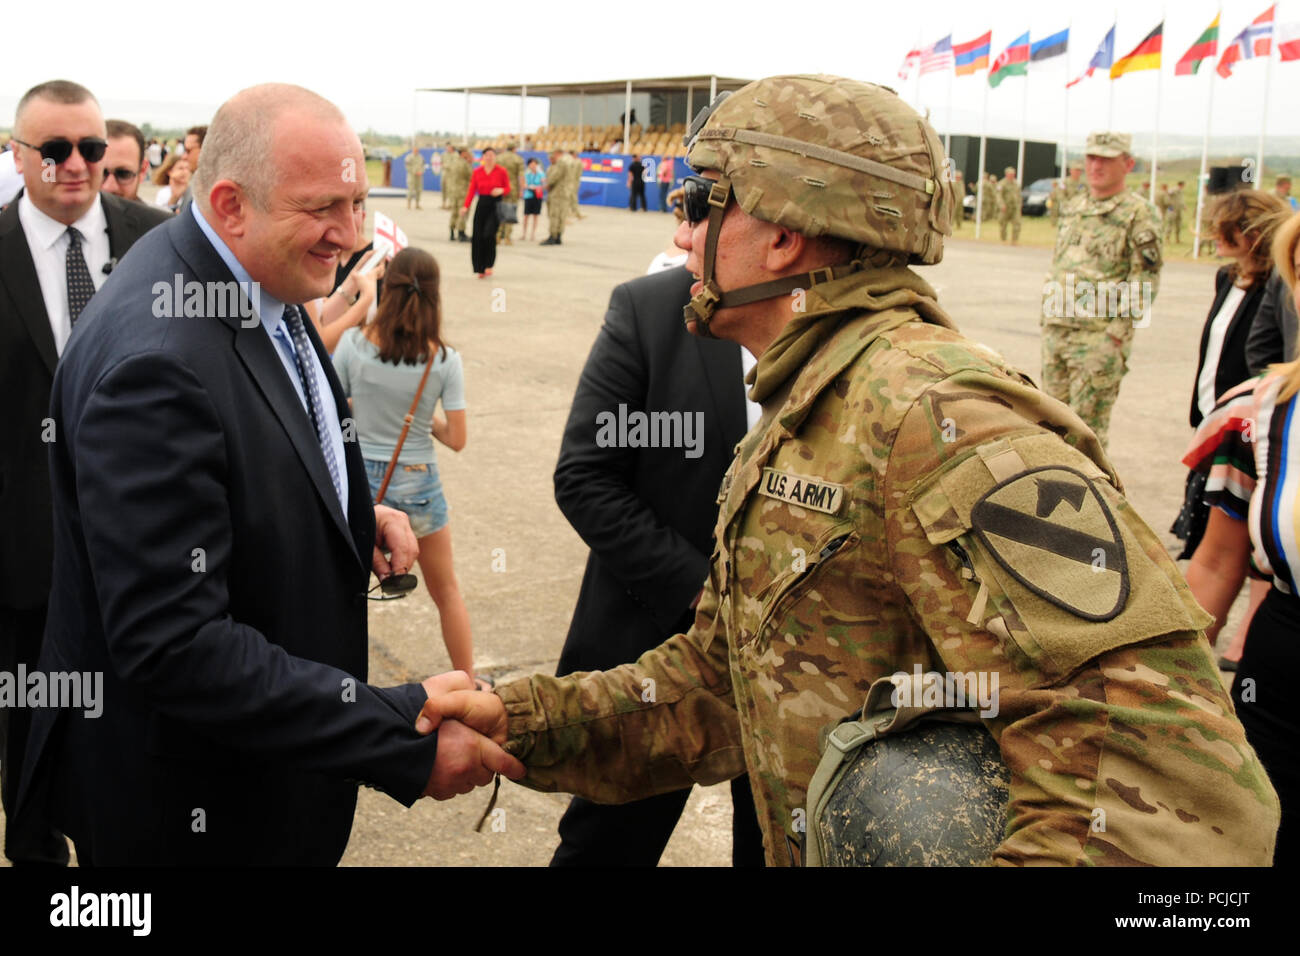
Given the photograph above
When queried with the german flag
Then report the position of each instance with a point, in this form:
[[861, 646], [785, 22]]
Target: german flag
[[1145, 56]]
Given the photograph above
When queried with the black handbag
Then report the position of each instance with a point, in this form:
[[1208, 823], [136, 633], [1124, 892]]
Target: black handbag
[[507, 212]]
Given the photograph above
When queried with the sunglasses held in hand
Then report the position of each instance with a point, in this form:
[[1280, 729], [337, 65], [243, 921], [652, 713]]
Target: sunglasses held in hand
[[92, 149], [394, 587]]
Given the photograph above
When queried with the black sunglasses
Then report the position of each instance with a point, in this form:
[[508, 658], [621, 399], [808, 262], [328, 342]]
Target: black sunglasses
[[695, 198], [395, 586], [123, 174], [92, 149]]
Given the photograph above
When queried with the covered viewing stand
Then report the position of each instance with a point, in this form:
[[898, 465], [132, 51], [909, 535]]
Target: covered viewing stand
[[670, 84]]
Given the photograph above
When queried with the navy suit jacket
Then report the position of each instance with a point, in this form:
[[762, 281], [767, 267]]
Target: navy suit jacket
[[646, 513], [202, 563]]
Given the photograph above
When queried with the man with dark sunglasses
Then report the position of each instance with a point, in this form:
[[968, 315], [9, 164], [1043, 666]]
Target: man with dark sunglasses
[[125, 163], [47, 274]]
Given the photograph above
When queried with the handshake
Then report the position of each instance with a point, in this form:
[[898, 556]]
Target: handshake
[[471, 727]]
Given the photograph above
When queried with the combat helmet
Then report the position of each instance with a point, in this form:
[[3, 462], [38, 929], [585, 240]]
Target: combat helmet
[[824, 156]]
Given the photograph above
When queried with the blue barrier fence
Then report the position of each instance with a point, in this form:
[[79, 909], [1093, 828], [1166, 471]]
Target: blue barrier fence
[[604, 175]]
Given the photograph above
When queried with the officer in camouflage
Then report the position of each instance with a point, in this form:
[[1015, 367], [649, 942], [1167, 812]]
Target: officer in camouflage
[[559, 184], [1009, 205], [455, 184], [1175, 206], [1105, 275], [414, 177], [906, 499], [513, 164]]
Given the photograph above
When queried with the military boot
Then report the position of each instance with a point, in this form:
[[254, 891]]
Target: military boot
[[462, 237]]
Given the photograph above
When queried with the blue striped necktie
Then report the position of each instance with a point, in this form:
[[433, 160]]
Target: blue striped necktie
[[302, 352]]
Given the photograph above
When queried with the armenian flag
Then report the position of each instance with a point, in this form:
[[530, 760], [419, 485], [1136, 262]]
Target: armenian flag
[[1145, 56], [1206, 45], [1013, 61], [972, 56]]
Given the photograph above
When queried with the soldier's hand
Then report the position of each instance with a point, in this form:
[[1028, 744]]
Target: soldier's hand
[[453, 697]]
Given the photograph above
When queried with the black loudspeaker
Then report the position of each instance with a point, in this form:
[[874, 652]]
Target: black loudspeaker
[[1224, 179]]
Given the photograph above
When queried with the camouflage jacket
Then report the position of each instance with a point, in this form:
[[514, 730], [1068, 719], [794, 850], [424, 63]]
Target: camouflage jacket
[[560, 180], [1107, 260], [514, 167], [1009, 197], [455, 173], [908, 500]]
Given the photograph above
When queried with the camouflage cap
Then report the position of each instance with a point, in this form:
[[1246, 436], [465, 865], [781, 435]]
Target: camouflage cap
[[1108, 144], [828, 156]]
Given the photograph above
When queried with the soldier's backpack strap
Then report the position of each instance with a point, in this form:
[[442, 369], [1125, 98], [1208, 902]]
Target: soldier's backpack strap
[[841, 742]]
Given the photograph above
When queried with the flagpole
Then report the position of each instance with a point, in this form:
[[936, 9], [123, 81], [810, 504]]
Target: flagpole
[[1024, 125], [984, 128], [947, 136], [1263, 119], [1065, 135], [1110, 100], [1160, 74], [1205, 155]]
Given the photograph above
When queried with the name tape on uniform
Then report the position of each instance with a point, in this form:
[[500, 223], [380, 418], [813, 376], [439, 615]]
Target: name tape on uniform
[[811, 493]]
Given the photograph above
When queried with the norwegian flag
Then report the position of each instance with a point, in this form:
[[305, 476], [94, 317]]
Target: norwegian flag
[[910, 63], [388, 234], [937, 56], [1251, 42]]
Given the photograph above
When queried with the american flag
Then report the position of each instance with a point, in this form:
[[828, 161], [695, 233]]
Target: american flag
[[937, 56], [1255, 40]]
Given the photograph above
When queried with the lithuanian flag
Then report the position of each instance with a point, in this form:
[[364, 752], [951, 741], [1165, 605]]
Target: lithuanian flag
[[1206, 45], [1145, 56]]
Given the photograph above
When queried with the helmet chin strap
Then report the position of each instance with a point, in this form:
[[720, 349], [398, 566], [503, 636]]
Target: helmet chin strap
[[710, 298]]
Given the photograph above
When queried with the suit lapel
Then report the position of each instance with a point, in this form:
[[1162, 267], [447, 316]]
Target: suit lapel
[[258, 353], [18, 274]]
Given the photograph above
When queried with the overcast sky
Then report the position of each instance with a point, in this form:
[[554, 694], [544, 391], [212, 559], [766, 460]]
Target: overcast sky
[[368, 58]]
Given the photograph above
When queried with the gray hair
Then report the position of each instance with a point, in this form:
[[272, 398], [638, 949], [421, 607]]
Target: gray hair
[[241, 139]]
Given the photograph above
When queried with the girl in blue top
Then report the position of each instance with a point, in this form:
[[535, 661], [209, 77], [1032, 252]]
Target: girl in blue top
[[380, 365], [534, 186]]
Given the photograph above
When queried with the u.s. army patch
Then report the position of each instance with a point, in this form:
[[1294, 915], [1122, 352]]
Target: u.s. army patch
[[1052, 531], [811, 493]]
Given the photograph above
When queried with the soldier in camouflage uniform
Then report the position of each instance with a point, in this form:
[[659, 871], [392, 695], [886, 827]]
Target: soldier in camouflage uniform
[[1162, 206], [989, 202], [575, 184], [1175, 205], [1105, 274], [455, 184], [414, 177], [449, 156], [1009, 205], [559, 185], [513, 164], [1054, 200], [906, 499], [1076, 186]]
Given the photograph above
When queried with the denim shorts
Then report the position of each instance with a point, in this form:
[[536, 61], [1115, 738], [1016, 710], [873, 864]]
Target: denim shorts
[[414, 489]]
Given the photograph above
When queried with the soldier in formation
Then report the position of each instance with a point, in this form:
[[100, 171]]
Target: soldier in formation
[[414, 177], [1009, 205], [1105, 274], [906, 503], [513, 164]]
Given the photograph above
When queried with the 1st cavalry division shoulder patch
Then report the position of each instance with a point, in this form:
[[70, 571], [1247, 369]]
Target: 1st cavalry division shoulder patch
[[1053, 532], [811, 493]]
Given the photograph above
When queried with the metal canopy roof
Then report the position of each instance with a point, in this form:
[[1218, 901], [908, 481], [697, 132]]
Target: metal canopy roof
[[663, 84]]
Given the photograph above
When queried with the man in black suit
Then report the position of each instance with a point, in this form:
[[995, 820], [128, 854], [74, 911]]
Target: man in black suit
[[35, 320], [214, 533], [647, 513]]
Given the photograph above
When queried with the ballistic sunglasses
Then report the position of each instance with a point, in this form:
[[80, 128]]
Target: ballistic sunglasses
[[695, 198], [92, 149]]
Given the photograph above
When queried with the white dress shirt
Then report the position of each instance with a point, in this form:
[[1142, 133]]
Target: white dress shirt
[[1205, 390], [48, 241]]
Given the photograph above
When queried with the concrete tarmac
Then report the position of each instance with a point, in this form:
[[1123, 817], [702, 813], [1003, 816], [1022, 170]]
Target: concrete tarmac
[[524, 334]]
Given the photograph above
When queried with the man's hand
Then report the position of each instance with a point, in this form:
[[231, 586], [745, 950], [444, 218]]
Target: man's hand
[[452, 696], [393, 534], [467, 760]]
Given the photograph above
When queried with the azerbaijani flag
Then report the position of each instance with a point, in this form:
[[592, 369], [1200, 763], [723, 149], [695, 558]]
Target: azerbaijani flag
[[972, 56], [1206, 45], [1145, 56], [1251, 42], [1013, 61], [1101, 60]]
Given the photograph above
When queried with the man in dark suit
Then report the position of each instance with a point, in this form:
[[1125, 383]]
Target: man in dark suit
[[35, 245], [214, 533], [647, 513]]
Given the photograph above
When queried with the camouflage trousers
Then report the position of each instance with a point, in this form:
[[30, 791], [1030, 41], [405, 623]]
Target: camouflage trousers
[[503, 231], [1174, 225], [1083, 369], [557, 210], [456, 196], [414, 189], [1006, 219]]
